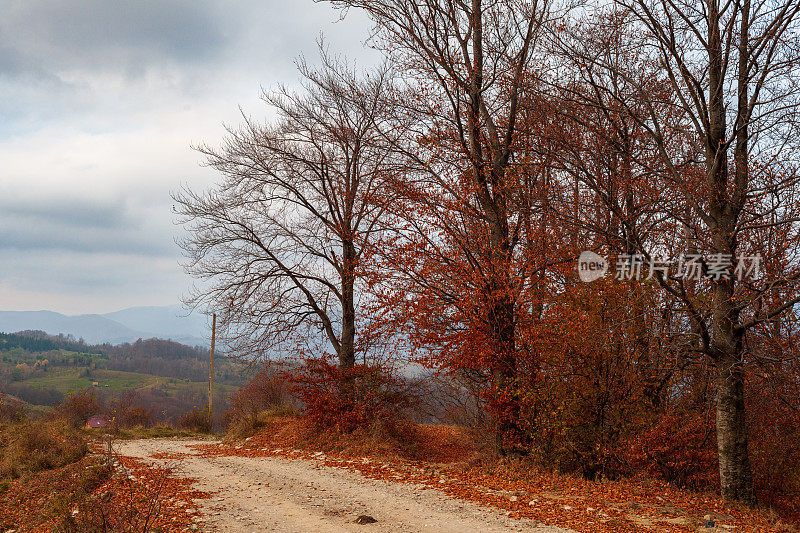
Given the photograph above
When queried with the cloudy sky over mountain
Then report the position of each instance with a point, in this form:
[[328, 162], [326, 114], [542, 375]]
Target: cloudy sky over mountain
[[100, 103]]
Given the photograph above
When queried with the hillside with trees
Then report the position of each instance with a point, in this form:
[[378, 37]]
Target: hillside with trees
[[167, 378]]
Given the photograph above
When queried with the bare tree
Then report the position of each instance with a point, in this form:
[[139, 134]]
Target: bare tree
[[726, 167], [281, 243]]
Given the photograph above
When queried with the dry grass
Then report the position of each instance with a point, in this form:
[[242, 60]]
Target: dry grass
[[250, 424], [31, 447], [12, 410]]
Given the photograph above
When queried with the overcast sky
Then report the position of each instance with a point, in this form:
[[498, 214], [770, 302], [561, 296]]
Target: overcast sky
[[100, 103]]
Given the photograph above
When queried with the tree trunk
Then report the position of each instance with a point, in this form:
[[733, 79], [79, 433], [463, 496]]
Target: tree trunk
[[504, 375], [734, 462], [510, 440], [347, 351], [726, 342], [727, 352], [488, 171]]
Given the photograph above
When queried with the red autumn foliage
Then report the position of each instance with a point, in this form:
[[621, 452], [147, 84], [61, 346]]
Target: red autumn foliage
[[680, 448], [775, 444], [88, 496], [503, 175], [347, 399], [143, 499]]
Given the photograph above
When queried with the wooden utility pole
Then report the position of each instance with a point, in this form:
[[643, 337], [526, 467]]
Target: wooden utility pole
[[211, 373]]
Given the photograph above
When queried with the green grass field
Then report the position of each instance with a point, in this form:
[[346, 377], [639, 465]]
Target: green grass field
[[65, 380]]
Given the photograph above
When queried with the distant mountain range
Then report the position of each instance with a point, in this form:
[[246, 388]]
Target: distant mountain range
[[127, 325]]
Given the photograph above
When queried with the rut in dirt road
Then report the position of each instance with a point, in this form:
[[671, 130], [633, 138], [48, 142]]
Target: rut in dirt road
[[300, 495]]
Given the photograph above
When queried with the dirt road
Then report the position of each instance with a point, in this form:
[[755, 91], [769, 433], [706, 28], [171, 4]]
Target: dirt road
[[299, 495]]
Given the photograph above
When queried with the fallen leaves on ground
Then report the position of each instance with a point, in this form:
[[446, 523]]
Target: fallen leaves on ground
[[77, 497], [514, 486]]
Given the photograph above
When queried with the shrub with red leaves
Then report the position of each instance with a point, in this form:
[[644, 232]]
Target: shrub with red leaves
[[681, 448], [78, 407], [267, 389], [129, 410], [135, 416], [347, 399], [774, 445]]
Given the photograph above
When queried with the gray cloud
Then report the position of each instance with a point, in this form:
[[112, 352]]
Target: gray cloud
[[78, 213], [68, 270], [99, 103], [80, 226], [23, 238], [98, 34], [74, 283]]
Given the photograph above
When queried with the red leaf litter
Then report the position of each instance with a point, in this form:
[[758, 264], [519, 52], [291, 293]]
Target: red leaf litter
[[134, 497], [512, 486], [175, 495], [160, 499]]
